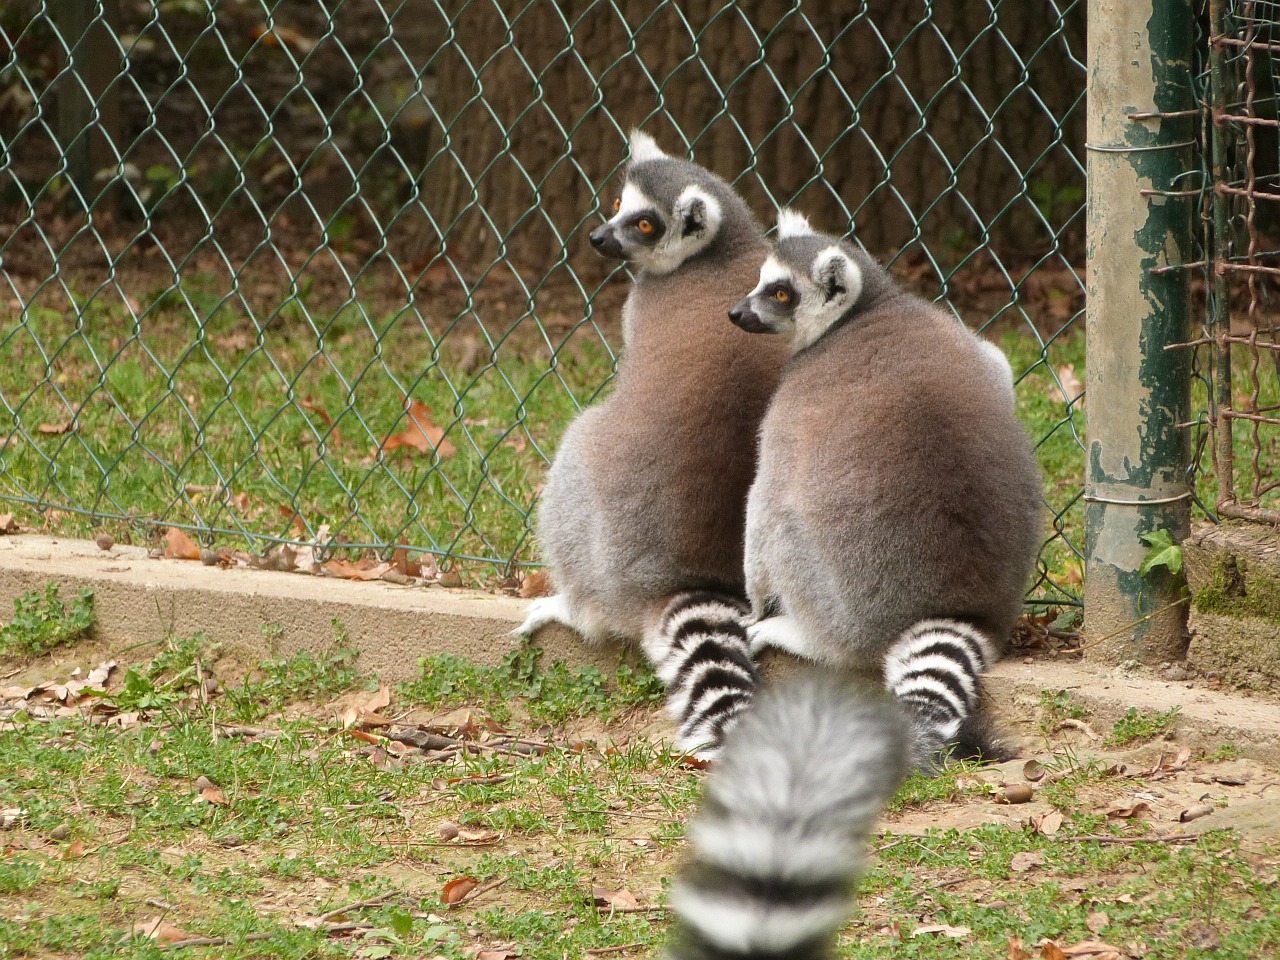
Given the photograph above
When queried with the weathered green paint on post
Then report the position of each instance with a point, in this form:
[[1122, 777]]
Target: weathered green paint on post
[[1138, 393]]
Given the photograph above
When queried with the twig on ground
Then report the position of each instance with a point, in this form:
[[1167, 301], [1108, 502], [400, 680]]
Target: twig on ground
[[241, 731], [602, 951], [326, 929], [1171, 838], [475, 892], [371, 902]]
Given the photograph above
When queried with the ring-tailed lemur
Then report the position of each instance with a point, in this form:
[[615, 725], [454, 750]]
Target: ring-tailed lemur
[[778, 842], [643, 511], [896, 514]]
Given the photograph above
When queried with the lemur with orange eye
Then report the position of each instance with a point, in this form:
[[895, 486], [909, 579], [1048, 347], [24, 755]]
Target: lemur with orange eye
[[643, 511]]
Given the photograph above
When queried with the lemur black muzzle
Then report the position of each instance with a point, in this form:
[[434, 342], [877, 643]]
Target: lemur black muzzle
[[746, 318], [606, 242]]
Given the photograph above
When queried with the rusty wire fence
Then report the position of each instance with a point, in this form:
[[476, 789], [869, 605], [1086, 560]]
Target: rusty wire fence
[[1238, 347], [316, 272]]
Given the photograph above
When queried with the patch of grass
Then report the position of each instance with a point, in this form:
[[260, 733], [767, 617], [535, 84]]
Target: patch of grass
[[295, 414], [1141, 725], [551, 694], [1056, 706], [316, 819], [42, 622]]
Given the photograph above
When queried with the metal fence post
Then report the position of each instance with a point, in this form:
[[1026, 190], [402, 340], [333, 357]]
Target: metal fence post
[[1141, 137]]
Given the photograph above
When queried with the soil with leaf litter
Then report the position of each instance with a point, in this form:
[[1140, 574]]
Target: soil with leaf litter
[[191, 805]]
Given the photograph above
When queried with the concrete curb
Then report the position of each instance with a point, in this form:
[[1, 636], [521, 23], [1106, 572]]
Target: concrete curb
[[138, 599]]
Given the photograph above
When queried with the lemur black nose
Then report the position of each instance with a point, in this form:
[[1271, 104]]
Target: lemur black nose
[[606, 243], [743, 316]]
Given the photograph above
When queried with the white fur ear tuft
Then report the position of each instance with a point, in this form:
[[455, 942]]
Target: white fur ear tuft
[[838, 276], [644, 147], [700, 212], [792, 224]]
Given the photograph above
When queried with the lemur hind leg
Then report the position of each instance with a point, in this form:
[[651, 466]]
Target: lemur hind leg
[[934, 670]]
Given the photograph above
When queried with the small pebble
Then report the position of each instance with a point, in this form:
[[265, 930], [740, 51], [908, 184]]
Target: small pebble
[[105, 541], [204, 783], [60, 832], [448, 830]]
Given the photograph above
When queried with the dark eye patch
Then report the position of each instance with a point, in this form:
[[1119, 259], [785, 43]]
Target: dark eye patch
[[783, 294], [655, 226]]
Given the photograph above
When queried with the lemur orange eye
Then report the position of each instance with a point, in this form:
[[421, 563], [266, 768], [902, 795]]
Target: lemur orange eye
[[644, 226], [617, 204], [782, 295]]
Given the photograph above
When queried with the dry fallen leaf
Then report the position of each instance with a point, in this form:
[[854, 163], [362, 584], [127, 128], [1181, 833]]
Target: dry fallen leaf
[[74, 851], [1049, 824], [1091, 950], [379, 700], [493, 954], [1026, 860], [8, 524], [1072, 388], [420, 433], [178, 546], [1128, 812], [614, 899], [942, 929], [1017, 951], [1051, 951], [54, 429], [1097, 921], [536, 584], [158, 929], [456, 890], [367, 569], [213, 795]]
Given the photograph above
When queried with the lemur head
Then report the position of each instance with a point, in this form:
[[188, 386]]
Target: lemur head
[[670, 211], [809, 283]]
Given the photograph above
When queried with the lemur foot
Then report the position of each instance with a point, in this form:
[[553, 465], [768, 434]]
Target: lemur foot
[[781, 632], [545, 610]]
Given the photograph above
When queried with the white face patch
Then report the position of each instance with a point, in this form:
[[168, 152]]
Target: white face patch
[[693, 206], [644, 147], [631, 202], [835, 284], [792, 224], [771, 271]]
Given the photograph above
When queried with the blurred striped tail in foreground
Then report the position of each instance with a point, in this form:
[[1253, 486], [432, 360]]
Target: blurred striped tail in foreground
[[779, 841]]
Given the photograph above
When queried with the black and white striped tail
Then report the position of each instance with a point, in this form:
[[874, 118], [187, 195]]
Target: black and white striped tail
[[699, 649], [935, 669], [778, 843]]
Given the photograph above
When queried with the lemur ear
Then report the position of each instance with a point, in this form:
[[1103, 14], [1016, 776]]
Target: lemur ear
[[644, 147], [837, 276], [698, 212]]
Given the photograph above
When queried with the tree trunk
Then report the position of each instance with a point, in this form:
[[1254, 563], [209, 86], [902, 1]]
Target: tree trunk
[[938, 131]]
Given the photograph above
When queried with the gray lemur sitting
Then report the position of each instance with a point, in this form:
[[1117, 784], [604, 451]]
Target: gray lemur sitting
[[896, 515], [643, 510]]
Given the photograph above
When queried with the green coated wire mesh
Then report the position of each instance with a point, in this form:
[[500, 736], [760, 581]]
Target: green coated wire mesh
[[1237, 356], [276, 270]]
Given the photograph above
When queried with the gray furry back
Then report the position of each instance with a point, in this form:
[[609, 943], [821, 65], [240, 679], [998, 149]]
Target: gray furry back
[[647, 495], [778, 843]]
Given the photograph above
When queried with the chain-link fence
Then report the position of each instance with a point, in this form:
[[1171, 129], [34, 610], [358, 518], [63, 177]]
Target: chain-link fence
[[273, 267], [1238, 348]]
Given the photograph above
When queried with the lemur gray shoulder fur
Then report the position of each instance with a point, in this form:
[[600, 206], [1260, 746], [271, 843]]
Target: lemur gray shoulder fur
[[643, 511], [896, 514]]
